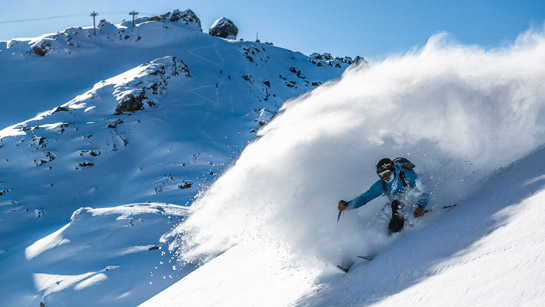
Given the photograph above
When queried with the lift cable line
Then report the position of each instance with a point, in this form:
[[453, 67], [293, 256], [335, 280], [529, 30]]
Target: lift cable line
[[41, 18], [66, 16]]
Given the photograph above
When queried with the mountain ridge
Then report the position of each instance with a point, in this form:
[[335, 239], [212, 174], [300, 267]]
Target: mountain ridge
[[169, 112]]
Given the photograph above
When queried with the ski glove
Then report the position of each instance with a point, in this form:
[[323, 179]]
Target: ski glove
[[342, 205], [418, 211]]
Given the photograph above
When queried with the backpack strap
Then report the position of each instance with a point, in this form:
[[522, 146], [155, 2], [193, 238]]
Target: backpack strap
[[404, 179], [384, 188]]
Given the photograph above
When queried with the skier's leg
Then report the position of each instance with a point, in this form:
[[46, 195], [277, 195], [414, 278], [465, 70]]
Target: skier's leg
[[396, 222]]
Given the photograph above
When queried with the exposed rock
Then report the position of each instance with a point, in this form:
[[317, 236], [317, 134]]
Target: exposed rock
[[116, 122], [326, 56], [106, 26], [41, 47], [224, 28], [265, 116], [133, 97], [185, 185], [131, 103], [247, 78], [188, 17], [346, 59], [61, 109], [154, 18], [359, 60], [39, 212], [49, 156], [316, 56]]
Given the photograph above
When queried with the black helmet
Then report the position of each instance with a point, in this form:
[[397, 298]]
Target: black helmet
[[383, 166]]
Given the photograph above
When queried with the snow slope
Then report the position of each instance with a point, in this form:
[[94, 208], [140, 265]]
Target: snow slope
[[472, 120], [148, 116]]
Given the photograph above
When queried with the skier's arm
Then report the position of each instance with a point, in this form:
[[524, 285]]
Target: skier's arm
[[412, 177], [374, 191]]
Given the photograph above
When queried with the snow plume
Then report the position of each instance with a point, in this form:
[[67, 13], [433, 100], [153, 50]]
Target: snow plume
[[448, 107]]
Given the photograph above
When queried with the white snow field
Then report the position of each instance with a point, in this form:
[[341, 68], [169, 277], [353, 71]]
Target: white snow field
[[472, 120], [118, 177], [105, 141]]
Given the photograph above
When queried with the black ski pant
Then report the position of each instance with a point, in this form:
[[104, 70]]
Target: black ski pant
[[396, 222]]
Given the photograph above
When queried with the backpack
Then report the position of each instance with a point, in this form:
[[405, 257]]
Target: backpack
[[405, 164]]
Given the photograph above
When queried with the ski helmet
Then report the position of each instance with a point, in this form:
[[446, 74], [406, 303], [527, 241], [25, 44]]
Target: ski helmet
[[384, 167]]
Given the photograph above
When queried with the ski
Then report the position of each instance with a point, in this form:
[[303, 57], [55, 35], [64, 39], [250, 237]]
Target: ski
[[347, 268], [344, 269], [368, 258]]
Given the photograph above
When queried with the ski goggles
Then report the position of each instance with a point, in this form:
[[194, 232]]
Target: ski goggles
[[385, 174]]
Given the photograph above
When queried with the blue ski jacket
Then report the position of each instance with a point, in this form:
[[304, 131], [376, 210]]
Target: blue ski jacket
[[395, 188]]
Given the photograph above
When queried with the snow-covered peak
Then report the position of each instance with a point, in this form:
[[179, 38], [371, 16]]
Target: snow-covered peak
[[76, 39], [150, 114]]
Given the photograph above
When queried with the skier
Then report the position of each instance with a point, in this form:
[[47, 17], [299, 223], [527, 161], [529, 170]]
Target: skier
[[396, 179]]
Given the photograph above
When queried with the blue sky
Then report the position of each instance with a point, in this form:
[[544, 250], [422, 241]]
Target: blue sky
[[343, 28]]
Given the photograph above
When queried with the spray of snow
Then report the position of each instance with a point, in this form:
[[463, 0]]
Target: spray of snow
[[448, 107]]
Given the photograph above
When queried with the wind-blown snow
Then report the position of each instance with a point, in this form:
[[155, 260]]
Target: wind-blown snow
[[53, 240], [458, 112]]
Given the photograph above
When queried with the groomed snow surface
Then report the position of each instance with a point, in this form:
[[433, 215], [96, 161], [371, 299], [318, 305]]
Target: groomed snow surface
[[472, 120]]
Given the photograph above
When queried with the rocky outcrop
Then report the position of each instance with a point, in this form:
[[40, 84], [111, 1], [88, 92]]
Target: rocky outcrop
[[223, 28], [359, 60], [188, 17], [326, 59], [137, 93], [41, 47], [132, 103]]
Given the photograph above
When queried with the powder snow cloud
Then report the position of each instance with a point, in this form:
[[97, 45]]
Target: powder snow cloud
[[448, 107]]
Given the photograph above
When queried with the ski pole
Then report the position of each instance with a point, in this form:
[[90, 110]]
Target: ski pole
[[444, 207], [337, 224]]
